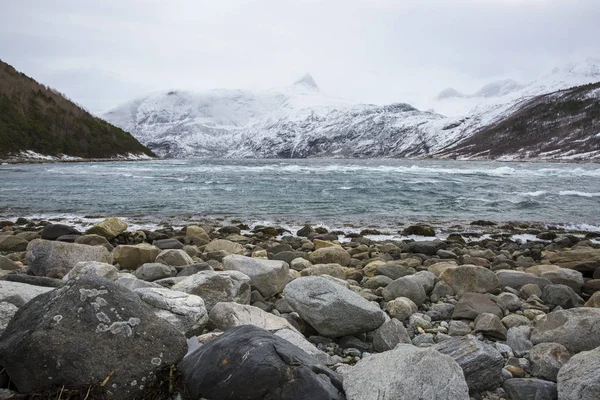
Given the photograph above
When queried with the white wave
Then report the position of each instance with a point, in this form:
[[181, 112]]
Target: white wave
[[533, 194], [578, 193], [581, 227], [414, 169], [345, 187]]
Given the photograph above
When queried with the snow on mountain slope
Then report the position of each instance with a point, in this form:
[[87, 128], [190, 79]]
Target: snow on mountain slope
[[498, 94], [184, 124], [300, 121]]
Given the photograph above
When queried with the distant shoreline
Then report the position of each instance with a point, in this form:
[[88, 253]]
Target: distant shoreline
[[89, 160]]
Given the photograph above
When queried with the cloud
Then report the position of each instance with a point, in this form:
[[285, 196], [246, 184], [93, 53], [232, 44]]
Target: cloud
[[369, 50]]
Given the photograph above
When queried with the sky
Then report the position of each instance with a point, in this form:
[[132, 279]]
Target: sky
[[102, 53]]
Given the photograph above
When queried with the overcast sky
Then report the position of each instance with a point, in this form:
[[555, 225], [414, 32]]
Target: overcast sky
[[104, 52]]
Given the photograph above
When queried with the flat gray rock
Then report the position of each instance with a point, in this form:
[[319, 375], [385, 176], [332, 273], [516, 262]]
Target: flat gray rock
[[217, 286], [407, 372], [332, 309], [269, 277], [578, 329]]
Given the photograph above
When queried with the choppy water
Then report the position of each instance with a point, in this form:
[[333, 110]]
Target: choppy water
[[334, 192]]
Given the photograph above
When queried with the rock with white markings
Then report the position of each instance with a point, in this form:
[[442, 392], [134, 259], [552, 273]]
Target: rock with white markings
[[184, 311], [81, 333]]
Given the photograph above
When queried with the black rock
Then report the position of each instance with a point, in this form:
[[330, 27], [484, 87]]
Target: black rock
[[280, 248], [323, 236], [84, 332], [250, 363], [151, 236], [165, 244], [420, 230], [230, 230], [54, 231], [427, 247], [547, 236], [305, 231]]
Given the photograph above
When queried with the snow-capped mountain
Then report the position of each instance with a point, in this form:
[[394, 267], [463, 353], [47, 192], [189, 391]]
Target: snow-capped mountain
[[498, 94], [301, 121]]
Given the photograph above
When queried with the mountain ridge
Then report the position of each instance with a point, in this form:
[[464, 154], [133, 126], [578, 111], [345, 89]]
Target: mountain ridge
[[300, 121]]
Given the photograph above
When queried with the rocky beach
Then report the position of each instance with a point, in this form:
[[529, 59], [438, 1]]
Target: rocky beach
[[217, 311]]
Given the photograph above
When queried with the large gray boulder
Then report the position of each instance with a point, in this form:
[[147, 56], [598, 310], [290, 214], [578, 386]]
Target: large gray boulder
[[267, 276], [481, 363], [330, 255], [332, 309], [470, 278], [18, 293], [184, 311], [81, 333], [253, 364], [407, 372], [408, 287], [56, 259], [215, 287], [578, 329], [579, 379]]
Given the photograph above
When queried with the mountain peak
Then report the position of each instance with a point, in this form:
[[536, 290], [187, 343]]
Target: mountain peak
[[307, 81]]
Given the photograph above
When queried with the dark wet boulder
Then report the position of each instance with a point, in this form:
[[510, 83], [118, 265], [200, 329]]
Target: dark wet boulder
[[54, 231], [84, 332], [250, 363]]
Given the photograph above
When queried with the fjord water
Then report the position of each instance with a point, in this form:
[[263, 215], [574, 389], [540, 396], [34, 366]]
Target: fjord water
[[375, 192]]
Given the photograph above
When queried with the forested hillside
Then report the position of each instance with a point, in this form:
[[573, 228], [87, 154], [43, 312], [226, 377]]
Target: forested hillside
[[35, 117]]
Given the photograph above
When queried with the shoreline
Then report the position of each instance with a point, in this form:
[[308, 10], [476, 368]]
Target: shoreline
[[472, 230], [366, 299], [13, 160]]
